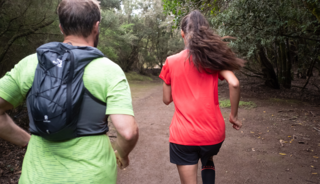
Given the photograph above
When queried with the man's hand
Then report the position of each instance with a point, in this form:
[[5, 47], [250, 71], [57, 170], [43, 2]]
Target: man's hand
[[127, 138], [236, 123], [122, 162]]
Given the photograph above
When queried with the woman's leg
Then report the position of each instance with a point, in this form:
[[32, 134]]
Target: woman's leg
[[188, 173], [208, 172]]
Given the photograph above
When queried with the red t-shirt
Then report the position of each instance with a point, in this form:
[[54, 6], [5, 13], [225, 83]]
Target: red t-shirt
[[197, 120]]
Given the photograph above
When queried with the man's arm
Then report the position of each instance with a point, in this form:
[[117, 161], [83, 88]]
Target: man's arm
[[127, 138], [9, 131]]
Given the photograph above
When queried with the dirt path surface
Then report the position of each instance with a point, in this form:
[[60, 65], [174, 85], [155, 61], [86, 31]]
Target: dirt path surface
[[279, 142]]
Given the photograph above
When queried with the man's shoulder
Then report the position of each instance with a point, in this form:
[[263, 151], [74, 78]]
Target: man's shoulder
[[103, 69], [101, 75], [104, 63], [32, 57], [29, 60], [26, 67]]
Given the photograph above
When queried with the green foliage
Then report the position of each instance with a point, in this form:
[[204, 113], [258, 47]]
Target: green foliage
[[134, 76], [285, 101], [274, 36], [285, 32], [180, 8], [110, 4], [138, 36], [24, 25], [314, 7], [247, 105], [224, 103]]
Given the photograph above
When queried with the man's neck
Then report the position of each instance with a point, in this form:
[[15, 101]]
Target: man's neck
[[78, 41]]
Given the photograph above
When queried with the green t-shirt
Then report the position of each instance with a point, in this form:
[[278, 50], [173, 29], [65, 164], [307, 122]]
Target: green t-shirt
[[88, 159]]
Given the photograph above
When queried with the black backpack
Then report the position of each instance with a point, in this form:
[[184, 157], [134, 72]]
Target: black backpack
[[55, 97]]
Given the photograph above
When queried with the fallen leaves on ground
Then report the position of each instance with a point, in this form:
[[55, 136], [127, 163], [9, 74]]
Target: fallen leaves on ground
[[281, 142], [291, 141]]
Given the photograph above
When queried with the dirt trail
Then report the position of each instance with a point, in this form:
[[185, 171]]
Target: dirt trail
[[251, 155]]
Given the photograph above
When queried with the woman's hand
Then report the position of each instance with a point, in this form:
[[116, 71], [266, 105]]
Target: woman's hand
[[234, 88], [236, 123]]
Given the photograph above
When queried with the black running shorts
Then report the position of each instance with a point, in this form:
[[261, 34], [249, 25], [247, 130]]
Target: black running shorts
[[190, 155]]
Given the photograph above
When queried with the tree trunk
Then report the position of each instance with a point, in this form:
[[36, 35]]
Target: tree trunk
[[288, 77], [132, 58], [285, 79], [310, 72], [280, 64], [318, 68], [268, 70]]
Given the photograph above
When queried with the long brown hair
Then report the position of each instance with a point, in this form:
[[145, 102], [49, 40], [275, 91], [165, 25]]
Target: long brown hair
[[208, 51]]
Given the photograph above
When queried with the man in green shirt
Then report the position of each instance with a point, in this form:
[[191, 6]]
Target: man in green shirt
[[84, 159]]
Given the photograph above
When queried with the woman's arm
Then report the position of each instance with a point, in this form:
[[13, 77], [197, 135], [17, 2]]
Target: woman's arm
[[234, 88], [167, 96]]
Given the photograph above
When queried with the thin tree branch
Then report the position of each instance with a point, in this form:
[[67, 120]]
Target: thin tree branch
[[299, 37], [2, 3], [297, 87], [252, 71], [9, 24], [251, 75], [315, 86], [56, 34], [17, 36]]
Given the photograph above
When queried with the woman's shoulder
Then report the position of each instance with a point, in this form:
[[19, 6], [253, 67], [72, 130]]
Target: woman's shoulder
[[179, 56]]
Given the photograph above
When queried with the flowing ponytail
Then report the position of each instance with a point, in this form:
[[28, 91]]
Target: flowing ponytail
[[208, 51]]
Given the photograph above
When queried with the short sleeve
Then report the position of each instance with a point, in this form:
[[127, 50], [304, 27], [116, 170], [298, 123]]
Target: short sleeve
[[106, 81], [16, 83], [119, 98], [165, 73]]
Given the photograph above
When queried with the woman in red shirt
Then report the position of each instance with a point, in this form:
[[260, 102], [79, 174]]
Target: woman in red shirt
[[191, 82]]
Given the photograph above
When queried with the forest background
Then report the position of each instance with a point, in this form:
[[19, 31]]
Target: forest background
[[280, 39], [280, 88], [135, 34]]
